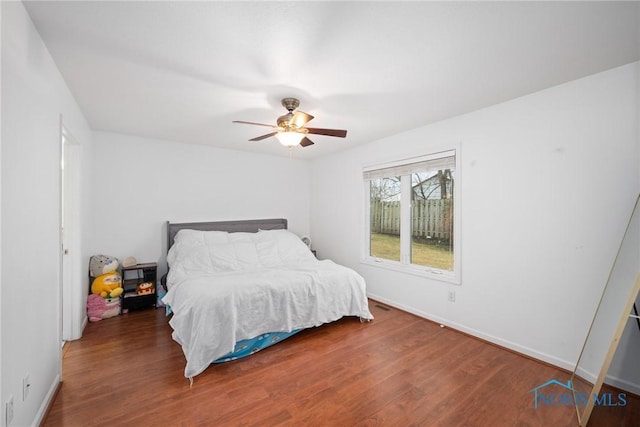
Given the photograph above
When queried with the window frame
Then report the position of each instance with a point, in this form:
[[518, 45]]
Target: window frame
[[404, 265]]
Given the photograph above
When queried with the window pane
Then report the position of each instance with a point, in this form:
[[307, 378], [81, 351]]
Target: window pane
[[384, 211], [432, 218]]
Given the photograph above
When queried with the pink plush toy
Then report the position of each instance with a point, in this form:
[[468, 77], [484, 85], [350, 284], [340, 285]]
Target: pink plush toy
[[99, 308]]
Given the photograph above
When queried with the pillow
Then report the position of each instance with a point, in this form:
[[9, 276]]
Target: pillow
[[217, 251], [267, 252], [190, 258], [234, 256], [186, 239], [188, 236], [288, 246], [215, 258], [222, 257], [241, 237]]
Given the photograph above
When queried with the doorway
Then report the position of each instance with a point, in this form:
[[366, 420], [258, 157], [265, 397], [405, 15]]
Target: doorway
[[71, 305]]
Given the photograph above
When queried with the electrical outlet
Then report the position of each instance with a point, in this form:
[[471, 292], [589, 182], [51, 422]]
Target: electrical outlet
[[9, 410], [26, 385], [452, 296]]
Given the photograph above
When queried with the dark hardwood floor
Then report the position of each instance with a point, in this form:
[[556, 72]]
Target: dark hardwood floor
[[398, 370]]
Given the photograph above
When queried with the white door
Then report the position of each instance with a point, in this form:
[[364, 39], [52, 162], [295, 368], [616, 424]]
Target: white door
[[71, 293]]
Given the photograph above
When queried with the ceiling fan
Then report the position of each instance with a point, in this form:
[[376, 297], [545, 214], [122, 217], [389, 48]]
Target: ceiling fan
[[290, 130]]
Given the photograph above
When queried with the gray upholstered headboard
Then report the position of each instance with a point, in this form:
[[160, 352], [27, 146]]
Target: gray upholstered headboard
[[248, 226]]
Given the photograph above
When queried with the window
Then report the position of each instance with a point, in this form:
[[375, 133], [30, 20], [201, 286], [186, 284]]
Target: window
[[411, 215]]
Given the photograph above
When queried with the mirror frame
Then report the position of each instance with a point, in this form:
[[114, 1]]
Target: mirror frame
[[624, 316]]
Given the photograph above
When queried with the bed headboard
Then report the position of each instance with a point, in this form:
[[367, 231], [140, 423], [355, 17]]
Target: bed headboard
[[248, 226]]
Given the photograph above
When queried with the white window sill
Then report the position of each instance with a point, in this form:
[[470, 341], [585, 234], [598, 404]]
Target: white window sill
[[416, 270]]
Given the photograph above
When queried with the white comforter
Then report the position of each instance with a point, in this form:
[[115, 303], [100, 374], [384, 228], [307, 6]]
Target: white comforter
[[215, 309]]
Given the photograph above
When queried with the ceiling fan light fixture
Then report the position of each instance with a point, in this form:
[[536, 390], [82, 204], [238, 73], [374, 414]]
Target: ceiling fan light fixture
[[290, 130], [289, 138]]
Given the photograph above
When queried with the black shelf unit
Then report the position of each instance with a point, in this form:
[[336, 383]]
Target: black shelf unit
[[132, 277]]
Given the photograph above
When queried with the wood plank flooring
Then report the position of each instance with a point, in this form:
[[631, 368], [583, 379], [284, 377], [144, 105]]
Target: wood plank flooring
[[399, 370]]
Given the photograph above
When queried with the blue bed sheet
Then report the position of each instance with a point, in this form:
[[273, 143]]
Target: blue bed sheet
[[247, 347]]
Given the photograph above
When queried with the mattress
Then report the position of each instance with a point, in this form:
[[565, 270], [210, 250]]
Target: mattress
[[224, 288]]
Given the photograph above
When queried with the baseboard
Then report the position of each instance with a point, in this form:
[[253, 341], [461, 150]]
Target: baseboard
[[611, 380], [623, 384], [509, 345], [586, 375], [48, 401]]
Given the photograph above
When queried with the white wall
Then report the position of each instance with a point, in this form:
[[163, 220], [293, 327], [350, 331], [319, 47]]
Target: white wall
[[34, 95], [547, 181], [625, 371], [139, 184]]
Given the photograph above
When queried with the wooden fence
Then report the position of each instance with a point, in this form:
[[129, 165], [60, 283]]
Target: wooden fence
[[431, 219]]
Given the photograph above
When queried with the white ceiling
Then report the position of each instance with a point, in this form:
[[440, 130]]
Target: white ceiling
[[182, 71]]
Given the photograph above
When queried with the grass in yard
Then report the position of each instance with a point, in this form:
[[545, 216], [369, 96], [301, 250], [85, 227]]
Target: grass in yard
[[385, 246], [428, 254]]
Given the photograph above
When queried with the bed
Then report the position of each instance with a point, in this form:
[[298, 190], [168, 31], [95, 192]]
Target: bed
[[235, 287]]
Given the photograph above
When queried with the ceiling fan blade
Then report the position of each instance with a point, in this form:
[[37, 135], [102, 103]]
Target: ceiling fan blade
[[306, 142], [300, 118], [253, 123], [329, 132], [260, 138]]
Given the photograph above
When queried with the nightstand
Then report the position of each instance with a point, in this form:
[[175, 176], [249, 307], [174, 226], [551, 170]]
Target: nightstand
[[139, 284]]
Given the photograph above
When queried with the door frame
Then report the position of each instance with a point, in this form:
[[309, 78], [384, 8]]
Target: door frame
[[70, 263]]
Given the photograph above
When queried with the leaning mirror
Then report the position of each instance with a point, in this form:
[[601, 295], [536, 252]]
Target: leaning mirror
[[609, 321]]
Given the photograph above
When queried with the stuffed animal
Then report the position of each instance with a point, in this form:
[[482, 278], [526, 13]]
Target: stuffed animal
[[99, 308], [102, 264], [144, 288], [108, 285]]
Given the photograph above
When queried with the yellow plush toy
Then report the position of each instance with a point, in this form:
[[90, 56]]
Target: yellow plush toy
[[108, 285]]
